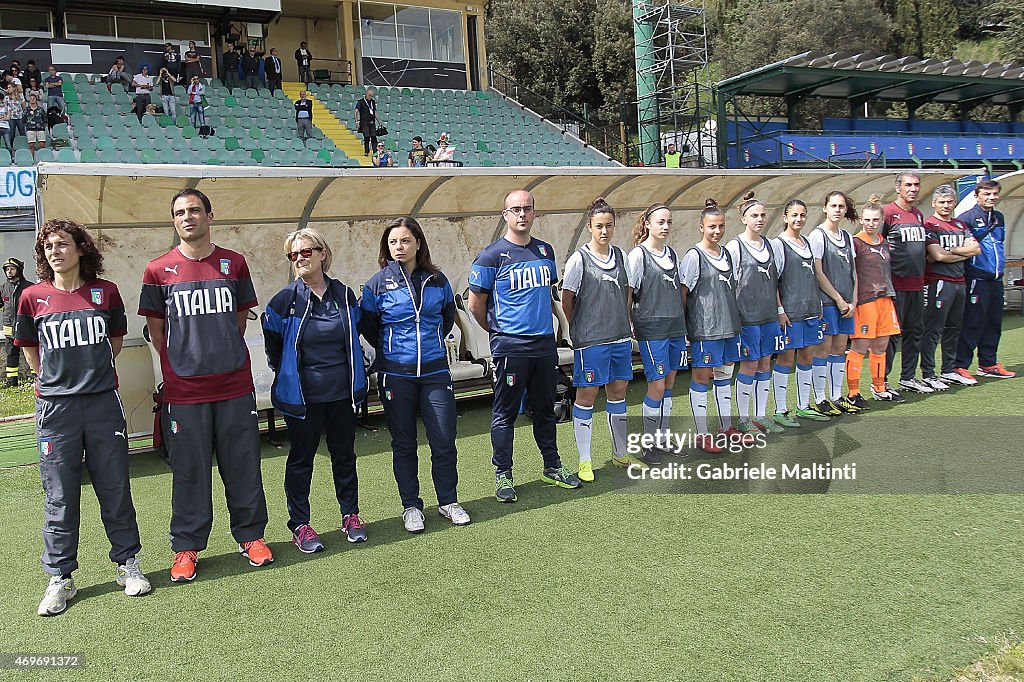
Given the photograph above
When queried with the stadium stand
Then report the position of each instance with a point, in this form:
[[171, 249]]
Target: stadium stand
[[255, 127]]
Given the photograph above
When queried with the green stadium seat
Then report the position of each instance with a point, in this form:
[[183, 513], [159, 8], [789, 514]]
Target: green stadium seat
[[23, 157], [148, 121], [104, 142], [188, 132], [165, 120], [324, 155], [148, 156], [47, 156], [21, 142], [255, 133], [181, 120], [231, 144], [64, 155], [5, 157], [257, 155], [130, 156]]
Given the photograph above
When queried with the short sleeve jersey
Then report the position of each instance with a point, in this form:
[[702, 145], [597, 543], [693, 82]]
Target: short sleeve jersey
[[948, 235], [204, 357], [905, 232], [518, 282], [72, 331]]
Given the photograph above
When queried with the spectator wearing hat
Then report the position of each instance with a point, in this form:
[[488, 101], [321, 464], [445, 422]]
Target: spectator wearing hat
[[382, 158], [445, 152]]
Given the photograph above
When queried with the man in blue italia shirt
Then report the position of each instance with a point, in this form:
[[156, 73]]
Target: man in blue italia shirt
[[510, 296]]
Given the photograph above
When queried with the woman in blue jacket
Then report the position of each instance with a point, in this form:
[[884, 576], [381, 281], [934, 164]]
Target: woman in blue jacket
[[408, 309], [312, 343]]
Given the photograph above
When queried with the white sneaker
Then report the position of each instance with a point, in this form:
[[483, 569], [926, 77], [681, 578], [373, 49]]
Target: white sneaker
[[131, 578], [916, 385], [956, 378], [57, 595], [413, 519], [936, 383], [454, 513]]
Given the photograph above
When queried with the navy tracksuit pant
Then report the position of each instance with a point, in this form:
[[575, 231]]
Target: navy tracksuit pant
[[910, 313], [338, 419], [943, 314], [432, 397], [538, 377], [983, 322]]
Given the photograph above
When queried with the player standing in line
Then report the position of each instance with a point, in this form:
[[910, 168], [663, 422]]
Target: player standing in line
[[410, 303], [196, 299], [659, 322], [799, 314], [983, 314], [510, 295], [596, 298], [950, 243], [874, 319], [71, 326], [836, 273], [757, 297], [713, 322], [905, 232]]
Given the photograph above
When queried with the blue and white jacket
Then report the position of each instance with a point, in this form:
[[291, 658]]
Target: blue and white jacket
[[283, 324], [408, 323], [989, 228]]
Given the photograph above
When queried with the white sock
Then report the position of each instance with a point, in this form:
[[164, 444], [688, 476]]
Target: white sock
[[583, 427], [723, 401], [762, 384], [666, 409], [819, 370], [836, 376], [699, 405], [803, 386], [616, 410], [744, 389], [780, 387], [651, 410]]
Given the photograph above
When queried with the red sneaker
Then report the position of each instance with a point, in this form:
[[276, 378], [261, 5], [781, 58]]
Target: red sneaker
[[256, 552], [184, 567], [996, 371], [706, 442], [736, 436]]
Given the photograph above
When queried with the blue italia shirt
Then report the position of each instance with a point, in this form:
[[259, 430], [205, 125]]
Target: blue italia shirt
[[518, 281]]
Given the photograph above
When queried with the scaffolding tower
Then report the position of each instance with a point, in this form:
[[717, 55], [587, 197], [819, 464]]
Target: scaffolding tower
[[671, 49]]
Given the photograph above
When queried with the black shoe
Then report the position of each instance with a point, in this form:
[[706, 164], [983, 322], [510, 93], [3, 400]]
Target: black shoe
[[504, 492], [652, 457], [11, 382], [561, 477], [859, 402]]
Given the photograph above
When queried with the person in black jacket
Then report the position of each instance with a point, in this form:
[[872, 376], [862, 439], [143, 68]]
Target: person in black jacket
[[304, 117], [304, 60], [231, 60], [251, 69], [312, 345], [172, 61], [366, 120], [10, 291], [272, 70]]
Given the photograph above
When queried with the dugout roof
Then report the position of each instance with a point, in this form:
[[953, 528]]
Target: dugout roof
[[865, 76]]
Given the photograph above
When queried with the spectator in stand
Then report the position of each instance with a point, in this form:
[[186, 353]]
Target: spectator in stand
[[444, 152], [167, 98], [418, 153], [304, 60], [231, 60], [143, 83], [251, 69], [13, 77], [383, 158], [193, 64], [272, 70], [34, 88], [5, 127], [365, 118], [15, 68], [54, 89], [304, 117], [35, 124], [118, 74], [32, 71], [196, 90], [15, 108], [172, 60]]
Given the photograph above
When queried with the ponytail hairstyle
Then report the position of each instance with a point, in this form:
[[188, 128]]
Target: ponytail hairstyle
[[874, 204], [641, 229], [851, 210], [710, 209], [748, 202], [599, 205]]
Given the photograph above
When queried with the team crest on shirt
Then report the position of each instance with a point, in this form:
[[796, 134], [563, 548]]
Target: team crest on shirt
[[387, 394], [45, 447], [96, 296], [824, 326], [974, 300], [589, 375], [543, 249], [510, 379], [661, 368], [225, 266], [175, 428], [787, 339], [938, 304], [864, 329], [745, 351], [707, 358]]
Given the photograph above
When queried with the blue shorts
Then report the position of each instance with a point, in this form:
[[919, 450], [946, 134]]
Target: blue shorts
[[833, 324], [663, 356], [716, 353], [761, 340], [603, 364], [803, 334]]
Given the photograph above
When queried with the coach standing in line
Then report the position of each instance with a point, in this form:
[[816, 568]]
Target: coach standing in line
[[983, 314], [510, 295], [196, 299]]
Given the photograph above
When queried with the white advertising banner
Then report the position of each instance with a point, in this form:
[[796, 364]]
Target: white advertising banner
[[17, 187]]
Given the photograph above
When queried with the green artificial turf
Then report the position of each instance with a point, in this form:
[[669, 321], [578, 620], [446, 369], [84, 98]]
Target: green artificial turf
[[607, 583]]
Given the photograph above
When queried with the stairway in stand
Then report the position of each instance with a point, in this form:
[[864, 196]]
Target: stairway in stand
[[333, 128]]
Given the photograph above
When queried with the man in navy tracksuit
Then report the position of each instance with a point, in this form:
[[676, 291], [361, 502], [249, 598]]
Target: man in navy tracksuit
[[510, 295], [983, 314]]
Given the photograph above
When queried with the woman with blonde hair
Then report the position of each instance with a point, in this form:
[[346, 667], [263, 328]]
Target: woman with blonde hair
[[312, 345]]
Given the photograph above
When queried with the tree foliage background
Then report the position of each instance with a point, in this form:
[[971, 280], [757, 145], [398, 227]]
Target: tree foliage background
[[579, 53]]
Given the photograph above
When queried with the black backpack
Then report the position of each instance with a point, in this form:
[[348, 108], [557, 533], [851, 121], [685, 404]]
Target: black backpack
[[565, 395]]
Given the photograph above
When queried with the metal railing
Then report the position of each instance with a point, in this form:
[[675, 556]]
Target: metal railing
[[600, 137], [336, 71]]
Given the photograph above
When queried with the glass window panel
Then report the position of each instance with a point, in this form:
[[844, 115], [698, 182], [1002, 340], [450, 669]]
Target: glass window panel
[[23, 20], [446, 36], [378, 32], [89, 25], [139, 29], [185, 30], [413, 33]]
